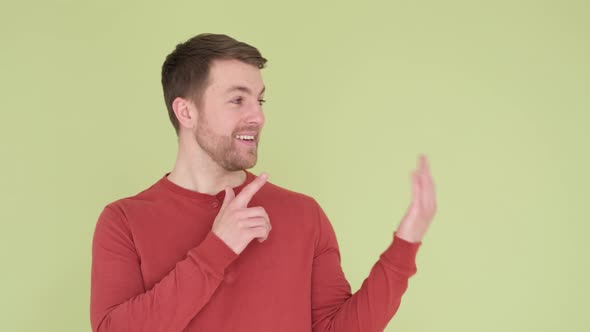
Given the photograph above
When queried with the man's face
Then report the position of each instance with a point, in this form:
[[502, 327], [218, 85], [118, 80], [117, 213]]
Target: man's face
[[230, 118]]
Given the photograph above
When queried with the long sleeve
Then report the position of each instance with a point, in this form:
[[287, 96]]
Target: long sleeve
[[119, 300], [334, 308]]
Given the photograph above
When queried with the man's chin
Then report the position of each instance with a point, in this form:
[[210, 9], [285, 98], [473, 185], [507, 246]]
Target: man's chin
[[249, 165], [242, 165]]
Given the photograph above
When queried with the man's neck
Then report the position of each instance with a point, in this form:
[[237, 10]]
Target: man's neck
[[203, 175]]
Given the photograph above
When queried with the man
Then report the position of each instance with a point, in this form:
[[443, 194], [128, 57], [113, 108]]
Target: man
[[212, 247]]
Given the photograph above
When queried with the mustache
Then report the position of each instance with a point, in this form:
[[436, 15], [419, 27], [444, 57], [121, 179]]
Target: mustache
[[257, 129]]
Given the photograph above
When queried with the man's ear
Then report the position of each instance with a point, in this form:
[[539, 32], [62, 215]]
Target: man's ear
[[185, 112]]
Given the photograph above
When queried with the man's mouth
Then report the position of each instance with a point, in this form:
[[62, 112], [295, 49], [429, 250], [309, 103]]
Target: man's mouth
[[249, 140], [246, 137]]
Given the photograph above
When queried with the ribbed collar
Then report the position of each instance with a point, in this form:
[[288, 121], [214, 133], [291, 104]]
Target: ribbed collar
[[171, 186]]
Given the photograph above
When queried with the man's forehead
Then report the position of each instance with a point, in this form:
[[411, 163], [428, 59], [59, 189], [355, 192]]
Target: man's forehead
[[241, 80], [228, 68], [235, 85], [244, 88]]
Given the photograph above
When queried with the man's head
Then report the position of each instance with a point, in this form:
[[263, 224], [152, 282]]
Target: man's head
[[213, 90]]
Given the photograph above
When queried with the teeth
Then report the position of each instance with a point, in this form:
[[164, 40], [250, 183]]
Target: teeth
[[246, 137]]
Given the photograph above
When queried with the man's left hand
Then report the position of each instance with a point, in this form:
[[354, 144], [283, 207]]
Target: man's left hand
[[423, 207]]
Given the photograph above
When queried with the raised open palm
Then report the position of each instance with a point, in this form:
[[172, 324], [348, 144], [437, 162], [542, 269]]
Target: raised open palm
[[422, 209]]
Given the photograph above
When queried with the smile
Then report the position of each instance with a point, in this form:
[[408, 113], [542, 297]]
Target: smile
[[245, 137]]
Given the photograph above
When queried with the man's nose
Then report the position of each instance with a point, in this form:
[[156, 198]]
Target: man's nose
[[256, 115]]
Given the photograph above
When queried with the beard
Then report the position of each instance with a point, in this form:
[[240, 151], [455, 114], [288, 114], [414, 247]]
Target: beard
[[226, 150]]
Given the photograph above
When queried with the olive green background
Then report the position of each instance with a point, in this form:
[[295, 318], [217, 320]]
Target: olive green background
[[496, 93]]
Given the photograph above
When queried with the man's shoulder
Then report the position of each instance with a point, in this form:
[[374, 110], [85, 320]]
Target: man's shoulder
[[291, 207], [144, 197], [279, 194]]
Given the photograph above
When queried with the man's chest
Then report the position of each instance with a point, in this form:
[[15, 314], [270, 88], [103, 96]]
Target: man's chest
[[164, 238]]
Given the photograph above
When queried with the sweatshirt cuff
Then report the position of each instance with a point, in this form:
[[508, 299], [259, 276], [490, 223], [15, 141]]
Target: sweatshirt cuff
[[214, 254], [402, 254]]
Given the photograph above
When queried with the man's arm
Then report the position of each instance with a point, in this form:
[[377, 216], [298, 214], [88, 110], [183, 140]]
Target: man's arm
[[119, 301], [375, 303], [335, 309]]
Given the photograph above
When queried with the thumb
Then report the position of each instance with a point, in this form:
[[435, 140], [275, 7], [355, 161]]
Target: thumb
[[229, 197], [415, 186]]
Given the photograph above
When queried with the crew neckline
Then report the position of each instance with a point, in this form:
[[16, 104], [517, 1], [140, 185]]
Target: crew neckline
[[169, 185]]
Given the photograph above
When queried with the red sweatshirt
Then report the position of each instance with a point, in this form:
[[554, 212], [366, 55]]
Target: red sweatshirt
[[156, 266]]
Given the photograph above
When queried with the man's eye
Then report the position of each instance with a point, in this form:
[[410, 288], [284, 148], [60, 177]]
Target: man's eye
[[261, 101], [237, 100]]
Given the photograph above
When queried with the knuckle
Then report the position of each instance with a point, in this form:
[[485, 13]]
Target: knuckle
[[259, 211], [250, 234], [237, 214]]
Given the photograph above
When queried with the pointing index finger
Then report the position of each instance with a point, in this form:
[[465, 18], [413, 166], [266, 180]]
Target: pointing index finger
[[244, 197]]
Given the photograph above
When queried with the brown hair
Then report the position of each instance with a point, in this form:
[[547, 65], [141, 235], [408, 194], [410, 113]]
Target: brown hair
[[185, 71]]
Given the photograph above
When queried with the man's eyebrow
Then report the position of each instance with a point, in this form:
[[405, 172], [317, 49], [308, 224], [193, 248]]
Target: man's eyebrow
[[244, 89]]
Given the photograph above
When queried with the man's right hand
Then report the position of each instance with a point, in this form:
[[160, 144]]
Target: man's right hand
[[237, 224]]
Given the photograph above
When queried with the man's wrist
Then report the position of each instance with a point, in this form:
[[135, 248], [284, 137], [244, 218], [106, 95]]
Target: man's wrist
[[409, 236]]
